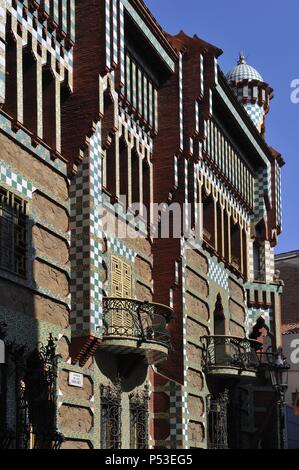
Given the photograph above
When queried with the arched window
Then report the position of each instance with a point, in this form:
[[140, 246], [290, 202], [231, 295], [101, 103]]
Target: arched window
[[146, 180], [10, 105], [123, 170], [108, 124], [29, 91], [219, 230], [235, 246], [191, 194], [257, 261], [219, 317], [49, 108], [258, 247], [135, 177], [111, 168], [208, 219]]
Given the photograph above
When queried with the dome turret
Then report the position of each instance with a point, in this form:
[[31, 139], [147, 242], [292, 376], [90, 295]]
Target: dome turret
[[252, 91]]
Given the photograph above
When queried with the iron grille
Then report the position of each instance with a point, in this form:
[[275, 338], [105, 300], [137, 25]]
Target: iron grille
[[34, 377], [130, 318], [229, 351], [111, 416], [139, 420], [217, 421], [13, 233]]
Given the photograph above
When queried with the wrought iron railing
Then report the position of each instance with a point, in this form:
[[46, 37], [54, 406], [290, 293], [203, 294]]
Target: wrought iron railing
[[34, 391], [144, 321], [217, 406], [230, 352]]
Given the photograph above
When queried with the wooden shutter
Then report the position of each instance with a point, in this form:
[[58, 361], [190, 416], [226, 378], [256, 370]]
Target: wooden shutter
[[121, 286]]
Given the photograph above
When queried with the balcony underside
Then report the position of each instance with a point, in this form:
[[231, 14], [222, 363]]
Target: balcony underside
[[224, 371], [151, 351]]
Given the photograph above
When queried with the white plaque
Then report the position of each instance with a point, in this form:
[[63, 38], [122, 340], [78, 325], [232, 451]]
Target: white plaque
[[75, 379]]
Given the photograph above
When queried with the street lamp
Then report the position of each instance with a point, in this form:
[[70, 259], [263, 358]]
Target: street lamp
[[279, 370]]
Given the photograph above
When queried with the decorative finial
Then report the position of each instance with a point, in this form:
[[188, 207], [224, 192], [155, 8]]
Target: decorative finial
[[242, 58]]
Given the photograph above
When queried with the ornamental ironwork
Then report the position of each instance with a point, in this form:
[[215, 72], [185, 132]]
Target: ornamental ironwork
[[35, 397], [111, 415], [230, 352], [144, 321], [217, 420], [13, 233], [139, 419]]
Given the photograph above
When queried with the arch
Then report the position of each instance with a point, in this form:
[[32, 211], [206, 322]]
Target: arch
[[236, 245], [219, 317], [135, 176], [10, 106], [108, 121], [261, 333], [208, 218], [111, 167], [220, 231], [257, 266], [191, 194], [49, 107], [124, 170], [30, 90], [146, 183]]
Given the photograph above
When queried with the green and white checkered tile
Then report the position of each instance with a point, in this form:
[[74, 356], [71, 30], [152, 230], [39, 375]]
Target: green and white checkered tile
[[218, 274], [17, 182]]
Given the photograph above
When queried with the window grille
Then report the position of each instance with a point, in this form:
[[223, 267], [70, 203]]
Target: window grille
[[217, 421], [13, 233], [139, 420], [111, 416]]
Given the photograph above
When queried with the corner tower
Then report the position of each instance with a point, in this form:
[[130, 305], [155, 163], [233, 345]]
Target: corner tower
[[252, 91]]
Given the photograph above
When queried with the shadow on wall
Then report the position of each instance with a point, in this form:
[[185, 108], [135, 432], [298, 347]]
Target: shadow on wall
[[28, 376], [131, 369]]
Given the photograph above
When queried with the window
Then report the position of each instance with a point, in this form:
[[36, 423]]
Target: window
[[121, 282], [236, 246], [141, 92], [208, 219], [217, 421], [111, 416], [13, 233], [139, 420], [120, 321]]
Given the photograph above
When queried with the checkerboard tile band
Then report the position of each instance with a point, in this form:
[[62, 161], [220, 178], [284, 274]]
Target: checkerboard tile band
[[120, 248], [218, 274], [175, 410], [86, 249], [15, 181], [256, 113]]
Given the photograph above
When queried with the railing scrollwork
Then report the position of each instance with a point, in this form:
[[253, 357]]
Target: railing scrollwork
[[230, 352], [144, 321]]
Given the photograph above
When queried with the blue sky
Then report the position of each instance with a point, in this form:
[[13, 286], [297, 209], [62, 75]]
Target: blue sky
[[267, 31]]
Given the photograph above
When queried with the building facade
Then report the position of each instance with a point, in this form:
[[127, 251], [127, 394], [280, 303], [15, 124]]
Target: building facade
[[288, 266], [140, 206]]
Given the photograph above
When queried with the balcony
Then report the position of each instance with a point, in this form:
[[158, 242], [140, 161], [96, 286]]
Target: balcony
[[132, 326], [230, 356]]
